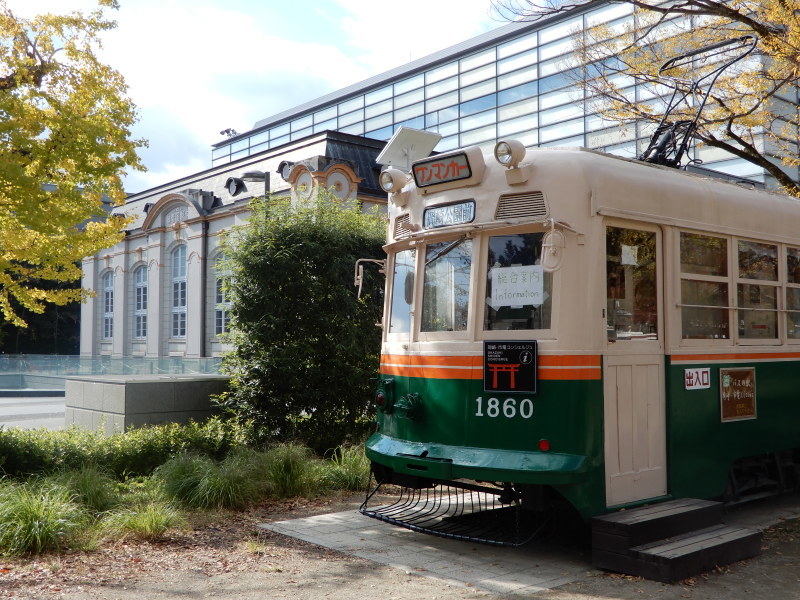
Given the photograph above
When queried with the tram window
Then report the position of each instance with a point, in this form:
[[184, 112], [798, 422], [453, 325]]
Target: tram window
[[753, 323], [445, 296], [700, 320], [519, 294], [793, 293], [632, 305], [793, 318], [793, 265], [704, 255], [758, 261], [402, 291]]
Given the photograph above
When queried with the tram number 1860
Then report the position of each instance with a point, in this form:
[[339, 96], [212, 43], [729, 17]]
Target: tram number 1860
[[509, 408]]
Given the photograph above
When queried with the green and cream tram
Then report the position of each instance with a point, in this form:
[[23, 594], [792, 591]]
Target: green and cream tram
[[570, 325]]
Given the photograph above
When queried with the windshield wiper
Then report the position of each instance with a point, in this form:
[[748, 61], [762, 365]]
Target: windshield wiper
[[446, 250]]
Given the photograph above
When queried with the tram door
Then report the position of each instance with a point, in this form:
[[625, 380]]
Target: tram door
[[633, 367]]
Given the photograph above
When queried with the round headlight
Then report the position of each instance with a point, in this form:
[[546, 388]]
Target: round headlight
[[386, 181], [509, 153], [503, 153], [392, 180]]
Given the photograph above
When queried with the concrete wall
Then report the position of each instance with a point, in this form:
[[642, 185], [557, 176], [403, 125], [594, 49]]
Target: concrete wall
[[114, 403]]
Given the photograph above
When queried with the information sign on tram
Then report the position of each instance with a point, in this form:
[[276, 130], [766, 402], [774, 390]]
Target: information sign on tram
[[510, 366], [737, 393], [449, 214], [442, 170]]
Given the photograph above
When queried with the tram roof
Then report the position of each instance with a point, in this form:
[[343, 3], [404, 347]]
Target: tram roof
[[627, 188]]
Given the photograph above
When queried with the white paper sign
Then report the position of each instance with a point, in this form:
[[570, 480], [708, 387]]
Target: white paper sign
[[697, 379], [517, 286], [630, 255]]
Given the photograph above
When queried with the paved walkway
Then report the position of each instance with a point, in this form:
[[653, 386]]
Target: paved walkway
[[510, 571], [31, 413], [491, 569]]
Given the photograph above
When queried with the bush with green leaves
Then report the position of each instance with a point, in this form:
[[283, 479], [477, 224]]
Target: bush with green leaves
[[35, 518], [347, 468], [134, 452], [306, 349], [146, 521], [198, 481]]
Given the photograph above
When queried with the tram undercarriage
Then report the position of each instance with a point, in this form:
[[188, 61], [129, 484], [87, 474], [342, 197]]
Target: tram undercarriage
[[499, 514]]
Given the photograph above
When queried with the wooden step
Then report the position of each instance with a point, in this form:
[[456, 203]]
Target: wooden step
[[687, 555], [670, 541], [619, 531]]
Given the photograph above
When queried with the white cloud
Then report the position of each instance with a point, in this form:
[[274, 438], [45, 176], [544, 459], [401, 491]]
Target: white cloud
[[195, 67]]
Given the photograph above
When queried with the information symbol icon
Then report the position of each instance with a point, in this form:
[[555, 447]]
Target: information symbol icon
[[526, 357]]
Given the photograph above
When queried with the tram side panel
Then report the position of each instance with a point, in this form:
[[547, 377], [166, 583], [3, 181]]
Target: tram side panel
[[711, 427]]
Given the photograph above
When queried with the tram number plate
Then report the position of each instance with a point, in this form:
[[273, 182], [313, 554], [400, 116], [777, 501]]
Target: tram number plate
[[508, 408]]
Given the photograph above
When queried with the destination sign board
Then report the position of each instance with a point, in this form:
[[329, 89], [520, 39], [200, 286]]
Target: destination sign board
[[442, 170], [449, 214]]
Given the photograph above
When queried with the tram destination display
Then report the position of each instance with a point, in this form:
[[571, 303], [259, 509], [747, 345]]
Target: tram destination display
[[510, 366]]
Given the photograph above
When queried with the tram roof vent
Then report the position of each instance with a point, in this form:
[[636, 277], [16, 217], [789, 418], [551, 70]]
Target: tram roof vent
[[524, 205], [402, 227]]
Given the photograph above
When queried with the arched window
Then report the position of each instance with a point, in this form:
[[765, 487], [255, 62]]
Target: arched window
[[222, 301], [108, 306], [179, 292], [140, 302]]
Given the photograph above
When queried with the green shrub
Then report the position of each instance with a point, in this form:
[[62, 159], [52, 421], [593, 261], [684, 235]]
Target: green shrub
[[200, 482], [90, 485], [305, 347], [145, 521], [291, 470], [134, 452], [35, 518], [347, 468]]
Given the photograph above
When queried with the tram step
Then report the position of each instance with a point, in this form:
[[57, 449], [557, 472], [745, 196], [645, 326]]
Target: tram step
[[686, 555], [619, 531], [670, 541]]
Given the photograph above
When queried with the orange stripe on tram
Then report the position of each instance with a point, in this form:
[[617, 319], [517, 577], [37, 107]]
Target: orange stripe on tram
[[551, 367]]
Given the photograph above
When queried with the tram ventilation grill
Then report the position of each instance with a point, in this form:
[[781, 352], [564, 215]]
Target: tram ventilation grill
[[462, 512], [401, 226], [523, 205]]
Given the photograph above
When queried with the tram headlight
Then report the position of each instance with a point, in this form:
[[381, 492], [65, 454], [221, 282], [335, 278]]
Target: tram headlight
[[392, 180], [509, 153]]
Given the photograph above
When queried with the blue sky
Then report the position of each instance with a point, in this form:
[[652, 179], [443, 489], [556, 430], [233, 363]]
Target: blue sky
[[196, 67]]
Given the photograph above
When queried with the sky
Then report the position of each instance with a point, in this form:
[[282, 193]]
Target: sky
[[197, 67]]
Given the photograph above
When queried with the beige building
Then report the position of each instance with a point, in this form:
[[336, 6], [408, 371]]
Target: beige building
[[158, 291]]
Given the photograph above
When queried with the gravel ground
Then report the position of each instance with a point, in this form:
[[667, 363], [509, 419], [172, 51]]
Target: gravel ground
[[225, 555]]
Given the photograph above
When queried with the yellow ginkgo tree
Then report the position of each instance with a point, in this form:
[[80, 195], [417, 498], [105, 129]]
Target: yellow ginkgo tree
[[65, 142], [752, 110]]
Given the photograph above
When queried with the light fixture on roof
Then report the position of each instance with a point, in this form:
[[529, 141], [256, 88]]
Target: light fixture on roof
[[510, 153], [229, 132]]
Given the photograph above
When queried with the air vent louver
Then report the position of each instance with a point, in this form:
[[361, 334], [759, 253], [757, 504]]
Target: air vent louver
[[401, 227], [528, 205]]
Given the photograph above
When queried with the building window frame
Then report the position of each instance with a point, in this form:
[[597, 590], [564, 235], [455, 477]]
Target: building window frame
[[140, 303], [178, 292], [222, 299], [108, 306]]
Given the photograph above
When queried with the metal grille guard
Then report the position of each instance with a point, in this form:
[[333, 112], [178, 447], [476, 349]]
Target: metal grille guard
[[460, 511]]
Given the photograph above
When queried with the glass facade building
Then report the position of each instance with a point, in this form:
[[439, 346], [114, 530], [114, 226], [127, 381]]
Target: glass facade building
[[516, 81]]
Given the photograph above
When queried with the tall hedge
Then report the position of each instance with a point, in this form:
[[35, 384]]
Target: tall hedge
[[306, 349]]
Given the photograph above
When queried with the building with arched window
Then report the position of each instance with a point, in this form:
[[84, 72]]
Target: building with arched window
[[160, 291], [513, 82]]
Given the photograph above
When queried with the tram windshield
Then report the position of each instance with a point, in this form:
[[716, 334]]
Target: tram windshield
[[518, 291], [445, 297], [402, 291]]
